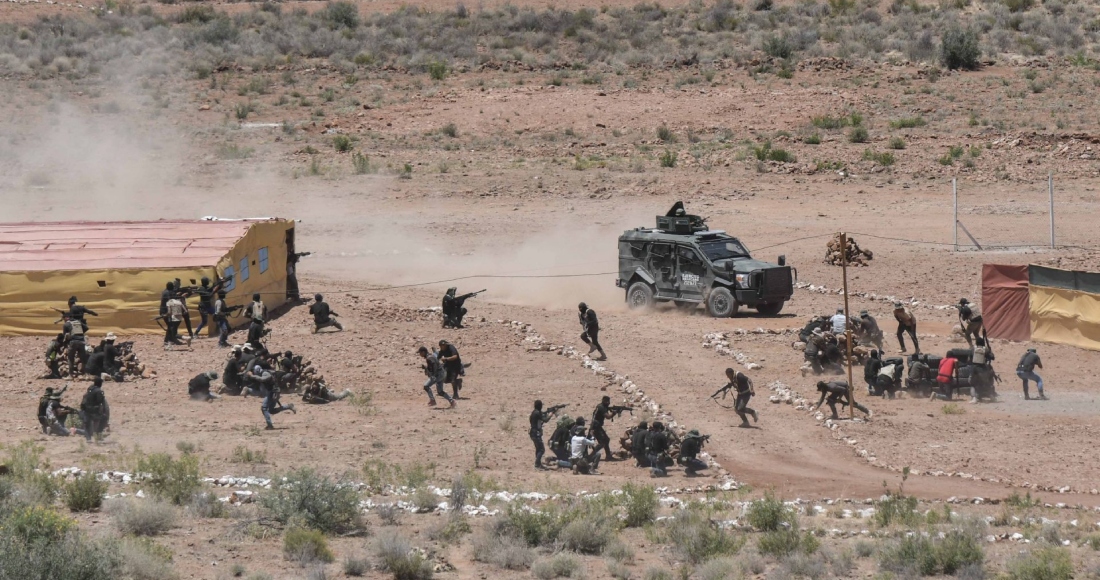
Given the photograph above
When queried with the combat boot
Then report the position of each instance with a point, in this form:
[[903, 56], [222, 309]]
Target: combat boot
[[755, 417], [290, 407]]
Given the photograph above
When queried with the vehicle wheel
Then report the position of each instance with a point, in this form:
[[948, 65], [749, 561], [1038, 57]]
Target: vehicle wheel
[[720, 303], [639, 296], [770, 308]]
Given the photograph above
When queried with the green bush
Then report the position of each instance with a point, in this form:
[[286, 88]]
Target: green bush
[[396, 556], [145, 560], [562, 565], [306, 546], [960, 49], [312, 500], [341, 143], [782, 156], [896, 143], [142, 517], [73, 557], [29, 475], [696, 539], [356, 567], [657, 574], [84, 493], [173, 480], [668, 158], [342, 14], [437, 70], [589, 533], [449, 130], [829, 122], [931, 556], [1019, 5], [718, 569], [665, 134], [507, 552], [34, 523], [362, 166], [858, 134], [884, 159], [207, 506], [897, 509], [769, 514], [813, 139], [1048, 563], [778, 47], [908, 123], [786, 541], [641, 503], [242, 454]]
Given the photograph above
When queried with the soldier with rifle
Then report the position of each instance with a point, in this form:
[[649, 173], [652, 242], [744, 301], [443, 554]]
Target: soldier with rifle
[[318, 393], [323, 316], [173, 317], [637, 444], [452, 364], [657, 450], [605, 410], [970, 321], [232, 376], [206, 294], [539, 418], [741, 383], [292, 274], [453, 310], [560, 438], [222, 312], [44, 403], [690, 448], [77, 312], [94, 410], [835, 392], [183, 293], [435, 372], [54, 353], [74, 337], [591, 330]]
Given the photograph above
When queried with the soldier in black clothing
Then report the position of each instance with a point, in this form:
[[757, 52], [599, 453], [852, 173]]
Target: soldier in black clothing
[[815, 323], [94, 410], [690, 448], [562, 436], [871, 369], [206, 294], [453, 307], [74, 337], [165, 296], [232, 380], [77, 312], [869, 330], [452, 364], [199, 387], [538, 419], [599, 415], [637, 444], [591, 326], [969, 321], [323, 316], [657, 450], [745, 391], [1026, 371], [835, 392], [221, 313]]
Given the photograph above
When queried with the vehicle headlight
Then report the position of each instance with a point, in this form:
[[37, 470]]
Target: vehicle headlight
[[743, 279]]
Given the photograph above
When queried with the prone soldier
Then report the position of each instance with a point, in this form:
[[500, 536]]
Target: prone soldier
[[318, 393]]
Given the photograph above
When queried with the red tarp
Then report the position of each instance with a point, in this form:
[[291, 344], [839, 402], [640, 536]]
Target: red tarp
[[1005, 311]]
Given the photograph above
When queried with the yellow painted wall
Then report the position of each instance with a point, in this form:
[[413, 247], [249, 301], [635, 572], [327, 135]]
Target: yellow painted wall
[[129, 301]]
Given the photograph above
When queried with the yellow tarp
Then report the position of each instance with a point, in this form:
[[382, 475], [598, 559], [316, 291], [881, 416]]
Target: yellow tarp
[[128, 301], [1065, 316]]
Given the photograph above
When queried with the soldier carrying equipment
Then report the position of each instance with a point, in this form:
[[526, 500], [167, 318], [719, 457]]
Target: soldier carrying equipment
[[453, 310], [745, 391], [590, 326], [538, 418], [970, 321]]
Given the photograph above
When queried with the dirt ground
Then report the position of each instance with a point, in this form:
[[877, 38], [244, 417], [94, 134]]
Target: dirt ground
[[538, 180]]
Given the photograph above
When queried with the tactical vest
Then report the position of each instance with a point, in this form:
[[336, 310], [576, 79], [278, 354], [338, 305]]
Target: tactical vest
[[258, 311], [979, 356], [77, 330]]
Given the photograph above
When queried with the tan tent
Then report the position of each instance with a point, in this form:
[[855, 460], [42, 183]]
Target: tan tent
[[1065, 306], [118, 269]]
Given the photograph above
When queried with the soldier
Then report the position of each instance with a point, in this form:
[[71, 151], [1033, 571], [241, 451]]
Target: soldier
[[870, 371], [599, 415], [580, 459], [183, 294], [74, 337], [165, 296], [745, 391], [259, 379], [690, 448], [657, 450], [53, 355], [173, 319], [814, 351], [907, 322], [561, 437], [869, 330], [256, 334], [221, 319], [970, 321], [44, 403], [232, 380], [835, 392], [317, 393], [815, 323], [452, 364], [435, 372], [323, 316], [94, 410], [271, 404], [111, 363], [637, 444], [257, 311], [538, 418], [839, 322], [56, 414], [199, 387], [591, 326], [982, 377], [919, 373], [1026, 371], [206, 294], [77, 312]]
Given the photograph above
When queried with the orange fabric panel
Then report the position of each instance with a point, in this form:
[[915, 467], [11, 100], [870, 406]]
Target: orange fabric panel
[[1065, 316], [1005, 301]]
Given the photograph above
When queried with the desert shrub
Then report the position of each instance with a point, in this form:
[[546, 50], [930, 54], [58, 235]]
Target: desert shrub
[[665, 134], [717, 569], [908, 123], [424, 500], [396, 556], [242, 454], [884, 159], [232, 151], [1018, 5], [72, 557], [858, 134], [450, 130], [84, 493], [930, 556], [34, 523], [589, 533], [896, 143], [864, 549], [314, 501], [769, 514], [657, 574], [803, 565], [786, 541], [959, 49], [356, 567], [640, 503], [144, 560], [668, 158], [142, 517], [173, 480], [778, 47], [1049, 563], [696, 539], [451, 530], [619, 551], [437, 70], [206, 505], [782, 156], [29, 476], [829, 122], [896, 509], [812, 139], [619, 571], [341, 143], [389, 513], [505, 552], [562, 565], [306, 546], [362, 166], [342, 14]]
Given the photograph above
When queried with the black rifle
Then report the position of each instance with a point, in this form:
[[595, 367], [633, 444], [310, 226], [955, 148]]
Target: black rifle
[[553, 410], [470, 295], [722, 391], [617, 410]]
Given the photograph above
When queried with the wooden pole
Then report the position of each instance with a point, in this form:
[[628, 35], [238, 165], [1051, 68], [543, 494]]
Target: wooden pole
[[847, 324], [1050, 190], [955, 223]]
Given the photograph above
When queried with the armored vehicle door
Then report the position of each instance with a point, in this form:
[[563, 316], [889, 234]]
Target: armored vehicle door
[[661, 262], [691, 272]]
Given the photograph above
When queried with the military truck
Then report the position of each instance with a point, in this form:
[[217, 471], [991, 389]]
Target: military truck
[[684, 262]]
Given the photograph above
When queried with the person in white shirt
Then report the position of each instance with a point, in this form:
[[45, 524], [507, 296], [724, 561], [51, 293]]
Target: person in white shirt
[[839, 322], [582, 460]]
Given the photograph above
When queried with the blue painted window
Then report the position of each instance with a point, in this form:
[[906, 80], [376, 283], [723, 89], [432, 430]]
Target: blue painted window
[[244, 268], [229, 273], [263, 260]]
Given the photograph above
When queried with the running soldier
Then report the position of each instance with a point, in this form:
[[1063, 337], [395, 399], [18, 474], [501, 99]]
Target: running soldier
[[436, 374], [94, 410], [834, 392], [690, 448], [323, 316], [869, 331], [591, 326], [907, 322], [452, 364], [1026, 371], [970, 322]]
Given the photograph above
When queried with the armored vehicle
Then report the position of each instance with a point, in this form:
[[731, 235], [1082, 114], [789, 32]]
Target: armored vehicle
[[684, 262]]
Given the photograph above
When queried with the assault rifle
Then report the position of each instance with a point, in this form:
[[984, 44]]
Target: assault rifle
[[617, 410], [553, 410], [705, 438], [722, 391], [461, 299]]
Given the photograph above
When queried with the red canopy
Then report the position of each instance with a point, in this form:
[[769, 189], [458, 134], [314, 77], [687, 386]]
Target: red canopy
[[1005, 309]]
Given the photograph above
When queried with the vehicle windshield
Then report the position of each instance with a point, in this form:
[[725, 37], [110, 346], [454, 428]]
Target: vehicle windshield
[[723, 249]]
